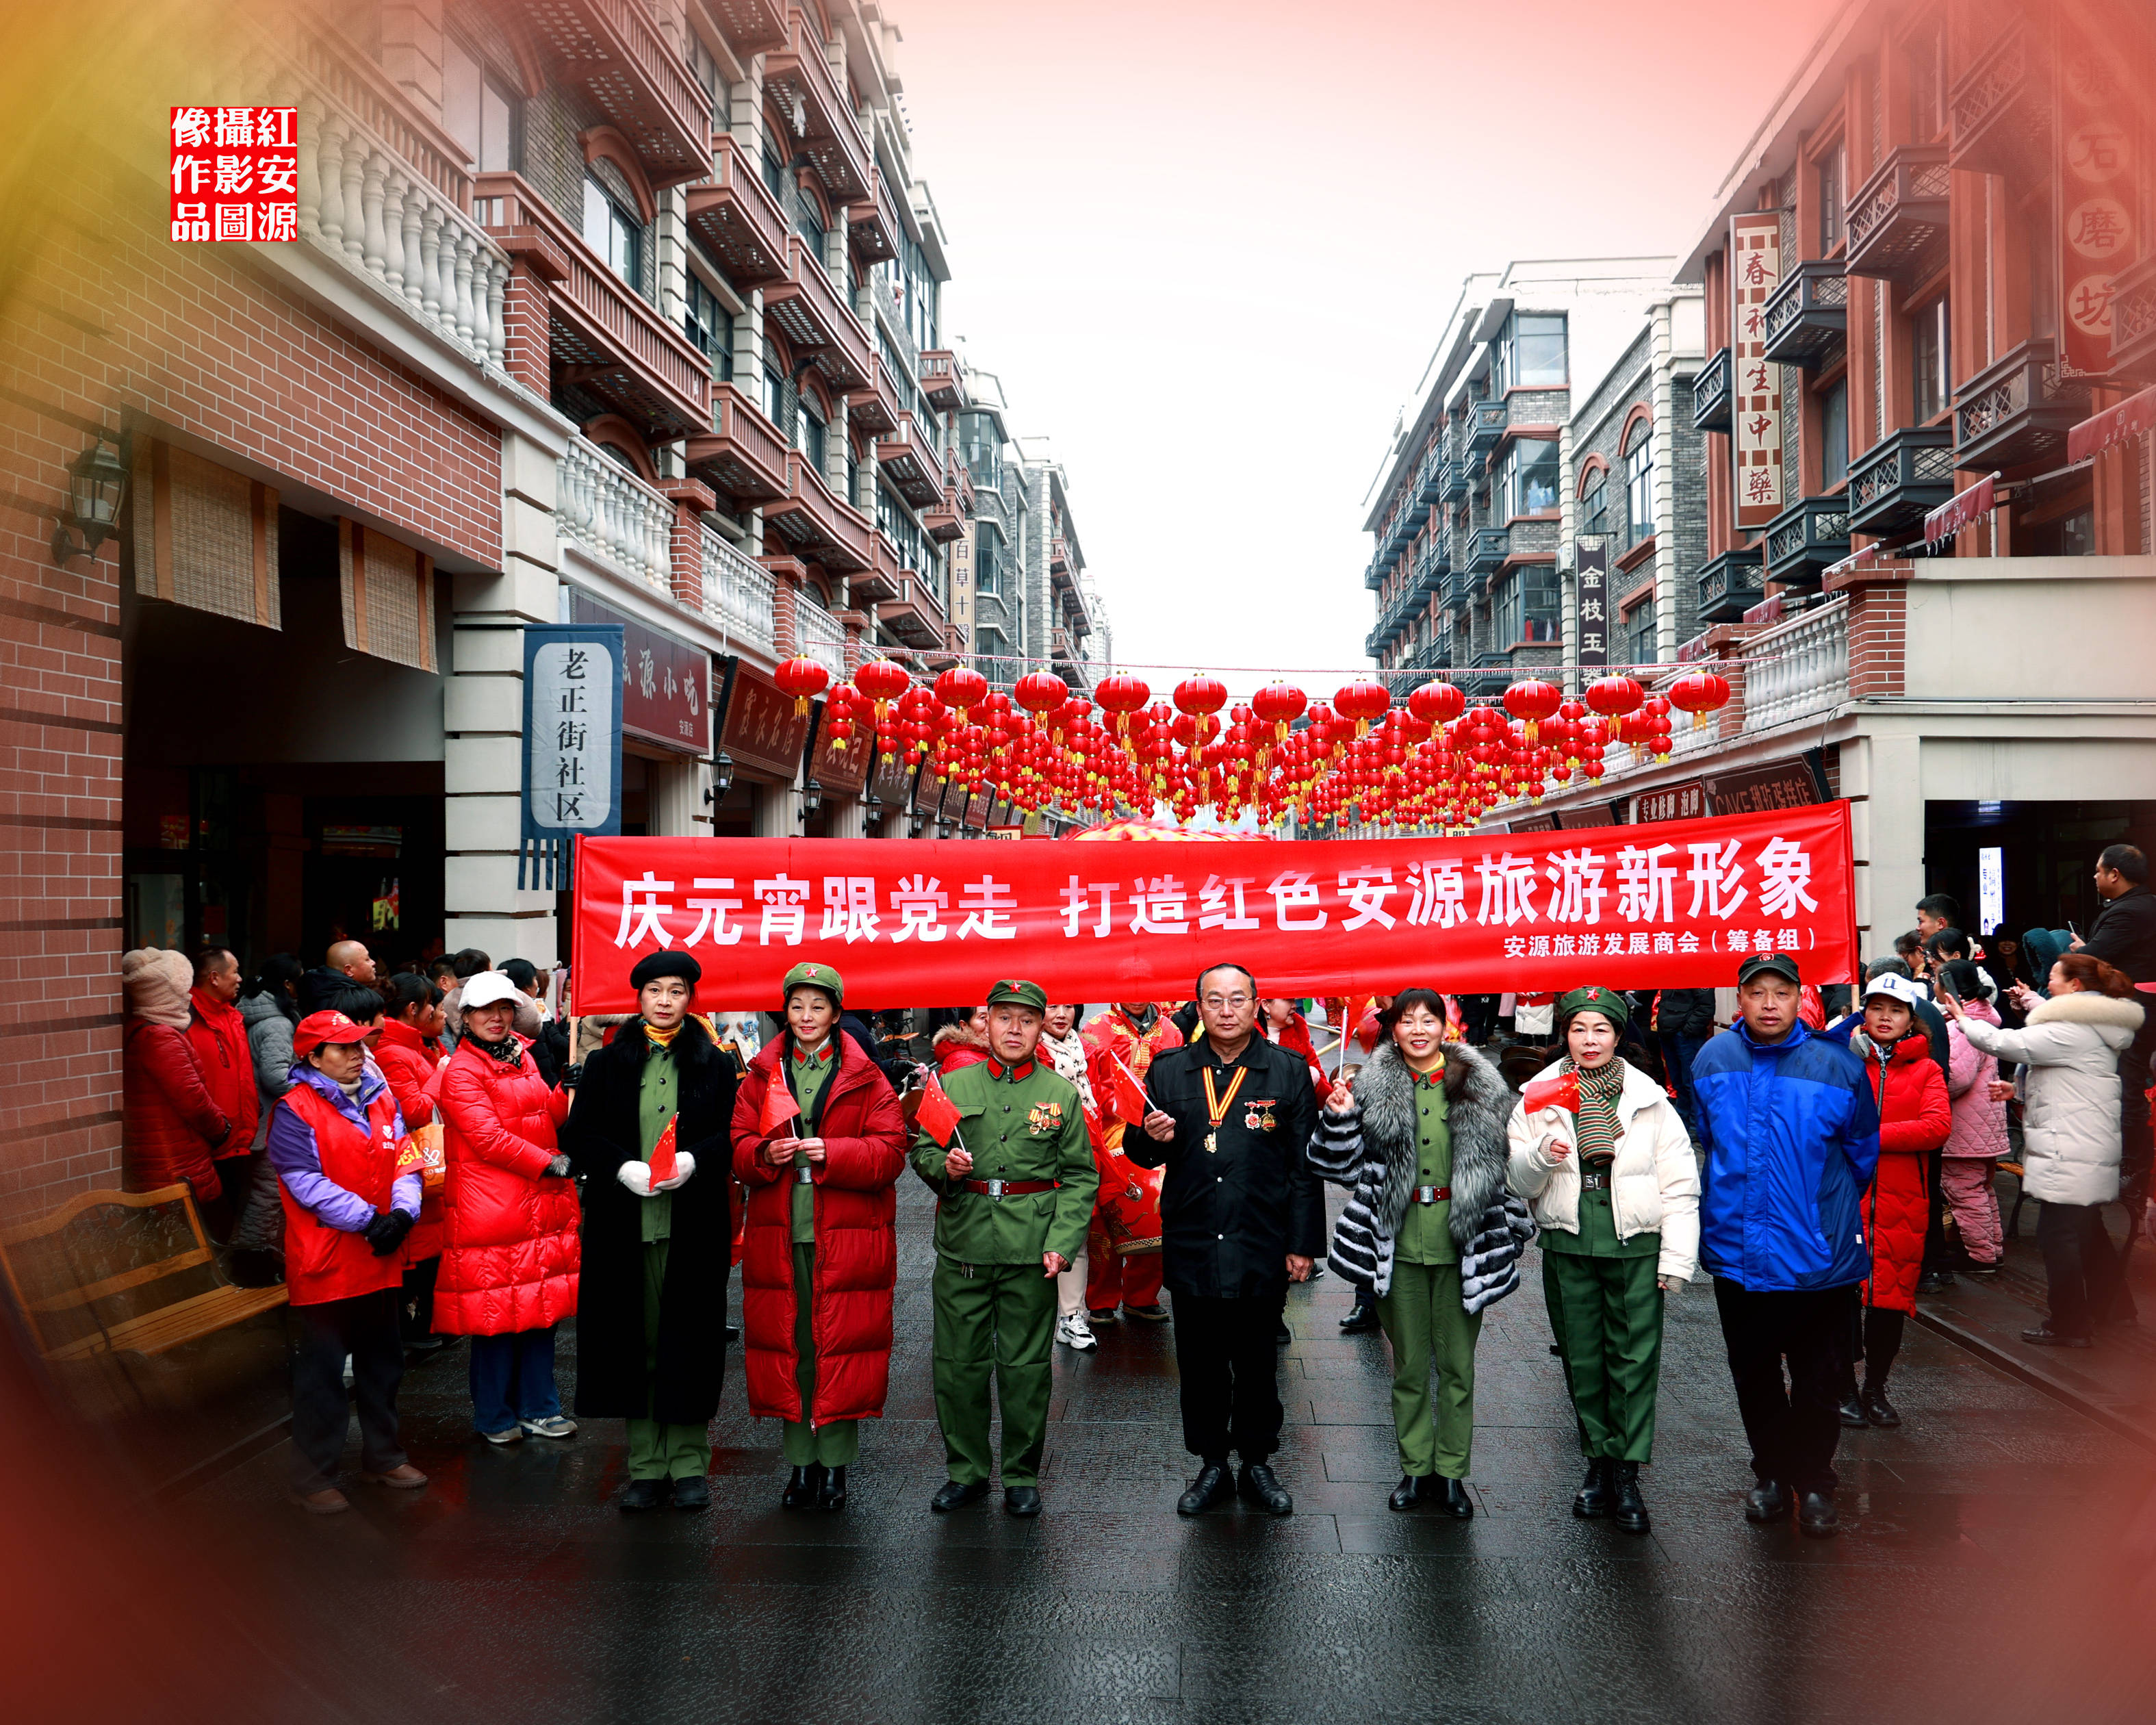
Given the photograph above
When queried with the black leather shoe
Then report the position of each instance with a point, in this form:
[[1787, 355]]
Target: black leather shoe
[[1259, 1488], [1592, 1500], [693, 1493], [642, 1494], [1933, 1281], [2043, 1336], [1414, 1488], [1816, 1515], [1852, 1410], [1211, 1486], [1021, 1500], [1628, 1508], [1766, 1501], [832, 1494], [801, 1488], [1878, 1410], [1282, 1335], [1361, 1320], [1453, 1499], [950, 1495]]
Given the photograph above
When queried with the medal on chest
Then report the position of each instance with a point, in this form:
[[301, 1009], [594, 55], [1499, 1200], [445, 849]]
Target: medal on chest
[[1217, 1105]]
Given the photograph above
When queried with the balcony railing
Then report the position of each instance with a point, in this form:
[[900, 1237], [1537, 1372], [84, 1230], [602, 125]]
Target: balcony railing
[[813, 524], [737, 220], [872, 224], [1059, 556], [1487, 549], [1711, 393], [600, 328], [1901, 479], [818, 635], [1729, 585], [807, 304], [1452, 480], [2001, 107], [891, 321], [909, 463], [2134, 321], [2017, 410], [741, 596], [1429, 481], [1798, 669], [916, 615], [831, 136], [742, 456], [1898, 221], [607, 510], [941, 381], [1803, 539], [1807, 316], [631, 73], [1487, 422]]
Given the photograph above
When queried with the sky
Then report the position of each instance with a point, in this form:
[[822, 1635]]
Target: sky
[[1208, 248]]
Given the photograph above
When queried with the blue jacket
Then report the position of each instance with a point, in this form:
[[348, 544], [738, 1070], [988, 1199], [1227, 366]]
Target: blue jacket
[[1792, 1136]]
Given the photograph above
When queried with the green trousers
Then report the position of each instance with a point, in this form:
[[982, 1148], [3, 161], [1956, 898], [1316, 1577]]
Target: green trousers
[[836, 1443], [1423, 1317], [1607, 1314], [657, 1450], [993, 1320]]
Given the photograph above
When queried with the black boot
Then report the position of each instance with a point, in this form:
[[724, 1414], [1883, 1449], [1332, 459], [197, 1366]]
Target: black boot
[[950, 1495], [640, 1494], [1215, 1484], [692, 1492], [1766, 1501], [1361, 1316], [1592, 1500], [1413, 1489], [801, 1488], [1630, 1510], [1878, 1409], [1816, 1515], [1852, 1410], [833, 1494], [1260, 1489], [1453, 1499]]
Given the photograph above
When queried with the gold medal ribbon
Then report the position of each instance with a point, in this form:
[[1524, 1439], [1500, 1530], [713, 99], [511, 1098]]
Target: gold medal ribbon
[[1216, 1105]]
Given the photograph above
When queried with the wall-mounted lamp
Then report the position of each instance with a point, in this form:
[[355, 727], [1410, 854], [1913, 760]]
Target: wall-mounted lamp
[[722, 777], [812, 797], [97, 479]]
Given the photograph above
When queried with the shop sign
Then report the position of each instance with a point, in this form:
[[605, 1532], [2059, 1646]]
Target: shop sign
[[892, 783], [2096, 187], [1593, 563], [976, 811], [1755, 403], [571, 744], [761, 730], [665, 692], [844, 770], [1785, 784], [1671, 802]]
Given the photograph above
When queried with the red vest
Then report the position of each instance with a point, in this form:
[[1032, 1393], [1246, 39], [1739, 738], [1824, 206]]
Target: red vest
[[322, 1263]]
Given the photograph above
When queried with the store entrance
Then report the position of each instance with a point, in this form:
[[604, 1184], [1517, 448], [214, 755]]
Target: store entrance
[[2020, 866]]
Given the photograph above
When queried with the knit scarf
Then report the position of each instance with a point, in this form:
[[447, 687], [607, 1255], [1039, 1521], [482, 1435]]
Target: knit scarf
[[1599, 1088], [509, 1051]]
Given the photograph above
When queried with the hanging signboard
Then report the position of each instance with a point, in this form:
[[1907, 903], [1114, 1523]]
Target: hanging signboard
[[1761, 790], [1755, 411], [839, 771], [1671, 802], [1592, 561], [572, 745], [665, 689], [892, 784], [2098, 189], [760, 729]]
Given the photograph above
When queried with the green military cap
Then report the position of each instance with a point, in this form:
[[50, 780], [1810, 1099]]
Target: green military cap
[[1606, 1001], [814, 975], [1013, 993]]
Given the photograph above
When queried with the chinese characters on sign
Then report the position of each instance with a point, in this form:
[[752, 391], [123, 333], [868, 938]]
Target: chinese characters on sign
[[1593, 584], [235, 173], [761, 730], [571, 743], [1755, 411], [1675, 801], [2097, 178], [666, 694]]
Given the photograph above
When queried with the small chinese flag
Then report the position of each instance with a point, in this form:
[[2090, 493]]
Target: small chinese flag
[[778, 1106], [1130, 1103], [1560, 1092], [937, 1115], [663, 1166]]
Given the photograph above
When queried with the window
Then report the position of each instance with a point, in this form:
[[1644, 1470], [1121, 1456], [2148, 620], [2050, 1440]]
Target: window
[[1639, 647], [982, 446], [808, 223], [774, 174], [713, 81], [710, 326], [1834, 435], [899, 528], [1833, 198], [915, 286], [1930, 357], [1640, 487], [1525, 606], [479, 113], [808, 435], [779, 393], [1530, 478], [987, 566], [614, 233], [1530, 354], [1594, 505], [1925, 58]]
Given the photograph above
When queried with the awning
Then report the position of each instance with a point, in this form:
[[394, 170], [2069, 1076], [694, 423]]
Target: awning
[[2133, 416], [1963, 509]]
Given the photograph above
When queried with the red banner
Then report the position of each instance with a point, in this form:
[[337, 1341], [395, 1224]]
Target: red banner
[[929, 923]]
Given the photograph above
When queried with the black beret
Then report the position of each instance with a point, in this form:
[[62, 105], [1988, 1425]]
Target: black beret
[[655, 965]]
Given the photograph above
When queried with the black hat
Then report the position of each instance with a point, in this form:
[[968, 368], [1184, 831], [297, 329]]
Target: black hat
[[650, 968], [1779, 964]]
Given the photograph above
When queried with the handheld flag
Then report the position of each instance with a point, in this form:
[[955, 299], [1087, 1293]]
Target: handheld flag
[[1130, 1103], [1559, 1092], [937, 1115], [663, 1165], [778, 1106]]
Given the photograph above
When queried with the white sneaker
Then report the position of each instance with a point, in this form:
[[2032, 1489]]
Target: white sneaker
[[1074, 1333], [553, 1426]]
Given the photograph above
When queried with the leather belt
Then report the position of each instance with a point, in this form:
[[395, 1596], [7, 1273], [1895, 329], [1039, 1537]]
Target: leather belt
[[1011, 1188], [804, 1175], [1432, 1194], [1594, 1179]]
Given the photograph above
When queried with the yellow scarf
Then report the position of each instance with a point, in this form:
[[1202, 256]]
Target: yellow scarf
[[662, 1038]]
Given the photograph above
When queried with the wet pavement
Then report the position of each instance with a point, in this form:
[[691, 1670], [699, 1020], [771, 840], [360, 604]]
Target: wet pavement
[[511, 1588]]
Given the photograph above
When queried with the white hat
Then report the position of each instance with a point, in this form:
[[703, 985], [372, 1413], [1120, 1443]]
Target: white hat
[[1897, 988], [485, 989]]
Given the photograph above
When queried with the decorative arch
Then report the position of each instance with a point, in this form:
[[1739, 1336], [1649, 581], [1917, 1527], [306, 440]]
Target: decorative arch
[[1593, 468], [814, 385], [610, 431], [1641, 414], [599, 140]]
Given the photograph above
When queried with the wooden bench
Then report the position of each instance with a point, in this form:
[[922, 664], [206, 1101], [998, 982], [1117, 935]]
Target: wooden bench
[[71, 1286]]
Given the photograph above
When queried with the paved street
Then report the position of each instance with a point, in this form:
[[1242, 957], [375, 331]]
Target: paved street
[[515, 1590]]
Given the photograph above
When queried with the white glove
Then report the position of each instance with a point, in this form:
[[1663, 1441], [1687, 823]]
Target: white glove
[[685, 1165], [637, 1177]]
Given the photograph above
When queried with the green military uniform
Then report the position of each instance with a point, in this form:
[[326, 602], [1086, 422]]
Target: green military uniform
[[1421, 1310], [658, 1450], [995, 1311], [836, 1443]]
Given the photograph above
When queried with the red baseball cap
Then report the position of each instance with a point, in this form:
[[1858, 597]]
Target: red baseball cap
[[312, 1031]]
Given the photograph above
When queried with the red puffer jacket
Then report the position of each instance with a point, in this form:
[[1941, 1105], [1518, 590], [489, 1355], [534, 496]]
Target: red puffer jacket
[[509, 1228], [169, 1124], [865, 1138], [218, 1036], [1914, 1116], [407, 1061]]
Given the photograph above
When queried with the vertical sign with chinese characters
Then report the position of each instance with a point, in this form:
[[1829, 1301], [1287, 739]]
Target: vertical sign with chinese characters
[[571, 744], [1755, 418], [235, 173], [1593, 563], [2097, 196]]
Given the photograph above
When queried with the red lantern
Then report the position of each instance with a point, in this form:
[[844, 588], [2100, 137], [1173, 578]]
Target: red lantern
[[1120, 696], [838, 729], [1279, 704], [802, 679], [1613, 697], [1361, 701], [1437, 703], [960, 688], [1200, 695], [1530, 701], [1699, 694], [883, 681]]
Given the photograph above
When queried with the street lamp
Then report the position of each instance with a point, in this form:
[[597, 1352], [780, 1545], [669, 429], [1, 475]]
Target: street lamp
[[812, 797], [97, 479], [722, 776]]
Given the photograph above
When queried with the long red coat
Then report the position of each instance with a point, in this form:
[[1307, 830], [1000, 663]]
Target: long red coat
[[408, 1061], [865, 1138], [1915, 1116], [168, 1123], [218, 1036], [509, 1228]]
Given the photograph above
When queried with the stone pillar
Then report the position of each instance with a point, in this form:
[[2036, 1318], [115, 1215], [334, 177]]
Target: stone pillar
[[860, 628], [691, 499], [777, 813], [844, 817], [674, 793], [1878, 627], [408, 33], [483, 720], [524, 316], [1881, 776]]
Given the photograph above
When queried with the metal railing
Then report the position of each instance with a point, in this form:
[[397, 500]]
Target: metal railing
[[1797, 669], [741, 596], [613, 515], [818, 635]]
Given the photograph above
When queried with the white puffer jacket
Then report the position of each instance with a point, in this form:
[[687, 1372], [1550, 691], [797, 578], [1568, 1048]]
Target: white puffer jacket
[[1653, 1185], [2070, 1092]]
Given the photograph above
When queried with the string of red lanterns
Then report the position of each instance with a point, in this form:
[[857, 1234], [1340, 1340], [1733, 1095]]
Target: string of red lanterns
[[1435, 761]]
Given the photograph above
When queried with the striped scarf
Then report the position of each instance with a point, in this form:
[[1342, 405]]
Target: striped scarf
[[1598, 1091]]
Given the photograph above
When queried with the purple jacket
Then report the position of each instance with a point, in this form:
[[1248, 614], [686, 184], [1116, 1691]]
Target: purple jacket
[[298, 1163]]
